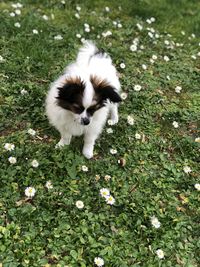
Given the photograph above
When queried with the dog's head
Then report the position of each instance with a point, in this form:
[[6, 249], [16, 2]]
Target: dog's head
[[83, 99]]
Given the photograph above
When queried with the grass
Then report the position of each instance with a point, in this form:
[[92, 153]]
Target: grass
[[48, 229]]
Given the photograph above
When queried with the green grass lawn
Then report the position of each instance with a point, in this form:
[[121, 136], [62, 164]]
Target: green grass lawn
[[154, 176]]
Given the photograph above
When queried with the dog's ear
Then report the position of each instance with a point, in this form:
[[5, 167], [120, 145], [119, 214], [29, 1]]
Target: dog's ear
[[104, 90], [70, 92]]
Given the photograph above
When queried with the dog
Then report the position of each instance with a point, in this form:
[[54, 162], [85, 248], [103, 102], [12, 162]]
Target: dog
[[80, 101]]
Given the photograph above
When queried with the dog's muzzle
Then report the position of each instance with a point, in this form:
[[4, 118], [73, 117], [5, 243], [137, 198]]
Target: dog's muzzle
[[85, 121]]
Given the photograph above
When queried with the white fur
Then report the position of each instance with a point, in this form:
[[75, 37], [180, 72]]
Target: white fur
[[68, 123]]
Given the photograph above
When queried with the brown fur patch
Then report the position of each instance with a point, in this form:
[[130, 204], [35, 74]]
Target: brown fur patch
[[98, 83]]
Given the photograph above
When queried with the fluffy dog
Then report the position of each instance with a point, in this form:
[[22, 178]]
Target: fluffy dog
[[80, 101]]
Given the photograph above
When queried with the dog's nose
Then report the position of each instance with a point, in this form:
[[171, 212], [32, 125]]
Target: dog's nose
[[85, 121]]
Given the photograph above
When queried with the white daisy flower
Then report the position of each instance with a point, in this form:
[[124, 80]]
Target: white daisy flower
[[78, 8], [79, 204], [193, 35], [178, 89], [197, 139], [141, 47], [122, 66], [18, 12], [148, 21], [78, 35], [63, 2], [99, 261], [152, 61], [193, 57], [150, 34], [107, 177], [198, 54], [34, 163], [155, 222], [83, 40], [166, 58], [23, 92], [139, 26], [77, 15], [84, 168], [9, 147], [133, 47], [110, 200], [2, 60], [109, 130], [31, 132], [30, 192], [144, 67], [137, 136], [45, 17], [107, 9], [106, 34], [87, 29], [154, 57], [187, 169], [58, 37], [130, 120], [17, 25], [123, 95], [110, 122], [160, 253], [49, 185], [104, 192], [137, 87], [175, 124], [152, 19], [12, 14], [35, 31], [113, 151], [197, 186], [12, 160], [119, 25], [168, 77], [182, 32], [166, 42]]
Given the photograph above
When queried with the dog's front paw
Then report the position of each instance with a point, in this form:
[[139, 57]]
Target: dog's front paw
[[114, 120], [88, 153], [62, 142]]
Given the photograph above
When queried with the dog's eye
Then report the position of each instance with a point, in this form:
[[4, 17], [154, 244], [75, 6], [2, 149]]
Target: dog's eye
[[91, 110], [78, 109]]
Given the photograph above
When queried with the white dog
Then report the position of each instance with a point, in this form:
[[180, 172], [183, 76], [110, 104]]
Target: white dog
[[80, 100]]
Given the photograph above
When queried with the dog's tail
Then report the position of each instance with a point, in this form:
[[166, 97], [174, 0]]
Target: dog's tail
[[86, 52]]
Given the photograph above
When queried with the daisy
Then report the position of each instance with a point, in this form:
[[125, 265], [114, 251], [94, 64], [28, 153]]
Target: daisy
[[187, 169], [107, 177], [77, 15], [113, 151], [49, 185], [197, 140], [31, 132], [166, 58], [175, 124], [35, 31], [58, 37], [137, 87], [35, 163], [107, 9], [9, 147], [119, 25], [130, 120], [78, 8], [45, 17], [178, 89], [17, 25], [2, 59], [110, 200], [84, 168], [150, 34], [122, 66], [139, 26], [12, 14], [99, 261], [152, 19], [123, 95], [104, 192], [106, 34], [30, 192], [78, 35], [109, 130], [197, 186], [193, 57], [12, 160], [182, 32], [144, 67], [97, 177], [154, 57], [155, 222], [63, 2], [133, 47], [18, 12], [160, 253], [110, 122], [23, 92], [137, 136], [148, 21], [79, 204]]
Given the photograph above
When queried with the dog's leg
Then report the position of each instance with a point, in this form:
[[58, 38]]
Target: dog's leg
[[114, 113], [65, 138], [89, 141]]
